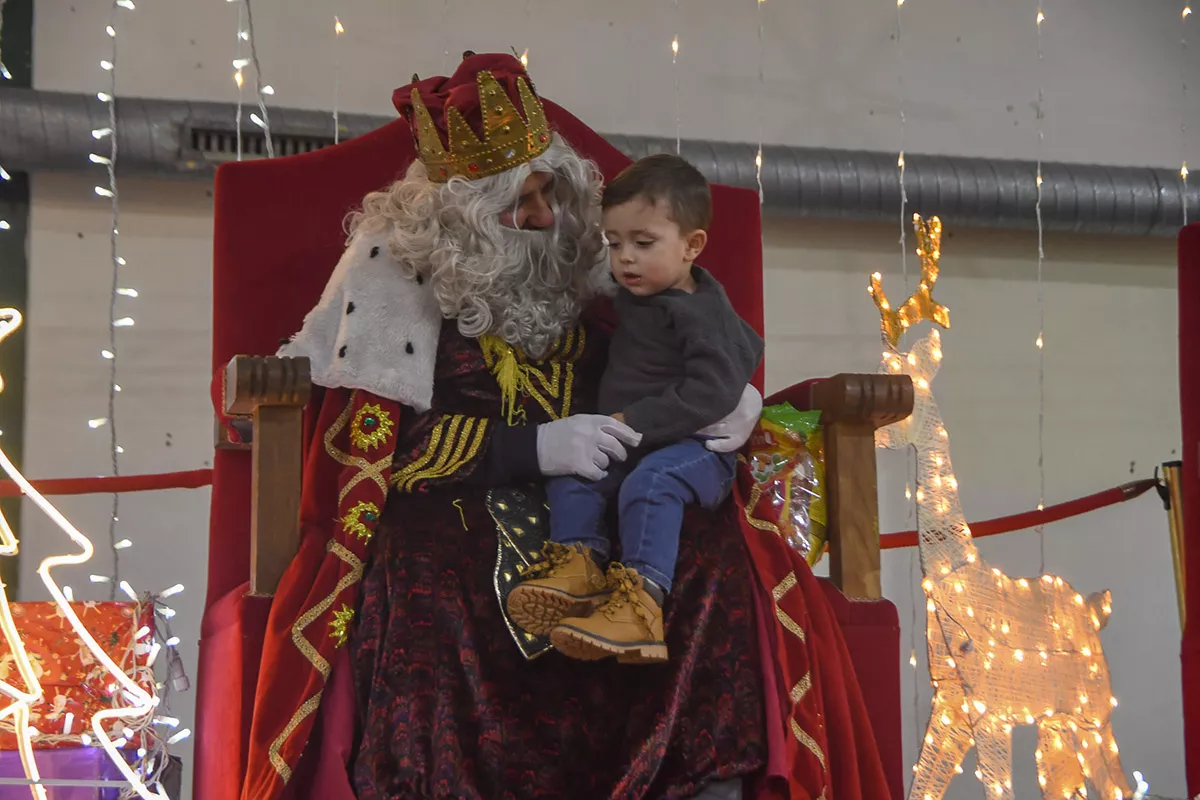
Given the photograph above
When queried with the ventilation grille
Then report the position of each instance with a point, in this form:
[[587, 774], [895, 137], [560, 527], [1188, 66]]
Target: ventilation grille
[[221, 145]]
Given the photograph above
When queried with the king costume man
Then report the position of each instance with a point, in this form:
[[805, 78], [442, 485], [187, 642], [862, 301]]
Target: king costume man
[[459, 344]]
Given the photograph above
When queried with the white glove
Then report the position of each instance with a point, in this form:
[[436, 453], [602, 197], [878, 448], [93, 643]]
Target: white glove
[[583, 445], [734, 431]]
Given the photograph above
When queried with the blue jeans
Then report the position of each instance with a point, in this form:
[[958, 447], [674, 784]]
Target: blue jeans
[[651, 494]]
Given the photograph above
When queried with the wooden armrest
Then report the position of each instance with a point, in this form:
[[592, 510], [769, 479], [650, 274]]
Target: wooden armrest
[[852, 408], [272, 392]]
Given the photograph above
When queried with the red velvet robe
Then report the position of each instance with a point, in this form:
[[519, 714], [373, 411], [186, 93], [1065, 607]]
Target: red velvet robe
[[820, 742]]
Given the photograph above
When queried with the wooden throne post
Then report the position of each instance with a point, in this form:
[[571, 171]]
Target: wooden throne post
[[852, 408], [272, 392]]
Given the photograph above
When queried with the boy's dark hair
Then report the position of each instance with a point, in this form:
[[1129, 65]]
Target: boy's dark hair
[[667, 179]]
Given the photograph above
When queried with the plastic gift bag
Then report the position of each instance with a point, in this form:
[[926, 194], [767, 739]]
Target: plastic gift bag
[[786, 462]]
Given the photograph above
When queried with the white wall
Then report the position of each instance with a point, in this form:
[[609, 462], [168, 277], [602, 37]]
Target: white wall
[[1111, 73]]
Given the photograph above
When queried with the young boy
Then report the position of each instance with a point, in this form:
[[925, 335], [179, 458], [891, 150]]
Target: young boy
[[678, 362]]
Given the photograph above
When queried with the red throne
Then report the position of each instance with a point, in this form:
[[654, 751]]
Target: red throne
[[278, 234], [1189, 390]]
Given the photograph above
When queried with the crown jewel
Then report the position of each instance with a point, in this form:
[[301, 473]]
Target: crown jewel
[[508, 138]]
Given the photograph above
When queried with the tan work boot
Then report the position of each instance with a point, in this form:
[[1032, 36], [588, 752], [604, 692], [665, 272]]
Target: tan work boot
[[628, 626], [566, 583]]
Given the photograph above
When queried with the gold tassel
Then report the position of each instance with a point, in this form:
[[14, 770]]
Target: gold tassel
[[507, 371]]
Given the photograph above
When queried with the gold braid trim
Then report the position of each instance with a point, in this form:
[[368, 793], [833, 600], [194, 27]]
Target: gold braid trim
[[755, 495], [805, 684], [785, 586], [456, 445], [281, 766], [337, 427], [367, 469], [809, 742], [307, 618], [435, 438], [802, 688]]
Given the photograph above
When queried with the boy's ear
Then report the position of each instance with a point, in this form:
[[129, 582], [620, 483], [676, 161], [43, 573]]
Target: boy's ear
[[696, 240]]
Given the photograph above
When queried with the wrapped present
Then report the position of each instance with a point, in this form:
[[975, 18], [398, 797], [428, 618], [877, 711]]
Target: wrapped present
[[73, 682], [785, 470]]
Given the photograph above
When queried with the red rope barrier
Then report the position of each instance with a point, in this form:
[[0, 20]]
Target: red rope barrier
[[198, 478], [1030, 519], [115, 485]]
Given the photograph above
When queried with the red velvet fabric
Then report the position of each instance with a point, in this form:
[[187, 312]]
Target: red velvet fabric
[[278, 234], [460, 91], [1189, 402]]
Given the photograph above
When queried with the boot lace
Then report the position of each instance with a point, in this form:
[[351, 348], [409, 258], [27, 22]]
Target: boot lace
[[623, 583], [554, 556]]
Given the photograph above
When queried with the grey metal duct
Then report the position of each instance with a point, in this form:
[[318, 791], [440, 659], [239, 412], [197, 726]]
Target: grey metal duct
[[52, 131]]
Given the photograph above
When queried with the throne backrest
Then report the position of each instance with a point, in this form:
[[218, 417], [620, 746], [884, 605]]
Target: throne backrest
[[278, 232]]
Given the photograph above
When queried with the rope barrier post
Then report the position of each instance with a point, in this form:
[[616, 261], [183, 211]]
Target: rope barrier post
[[272, 391], [852, 408], [1173, 479]]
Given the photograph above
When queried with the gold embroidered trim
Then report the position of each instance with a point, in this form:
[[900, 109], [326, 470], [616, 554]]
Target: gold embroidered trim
[[802, 688], [339, 626], [354, 521], [785, 586], [456, 440], [748, 510], [367, 469], [372, 426], [281, 766], [349, 579], [435, 437], [336, 428], [809, 742]]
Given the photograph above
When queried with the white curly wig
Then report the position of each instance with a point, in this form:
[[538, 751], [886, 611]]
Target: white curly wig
[[527, 287]]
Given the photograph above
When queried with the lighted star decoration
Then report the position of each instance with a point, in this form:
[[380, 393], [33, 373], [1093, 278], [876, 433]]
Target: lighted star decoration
[[141, 703], [1002, 651], [921, 304], [18, 700]]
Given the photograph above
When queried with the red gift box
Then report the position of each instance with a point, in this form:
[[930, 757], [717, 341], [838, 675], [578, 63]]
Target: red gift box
[[73, 681]]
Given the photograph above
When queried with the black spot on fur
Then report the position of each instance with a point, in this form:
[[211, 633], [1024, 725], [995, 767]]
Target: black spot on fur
[[350, 307], [342, 352], [374, 251], [420, 280], [285, 341], [408, 348]]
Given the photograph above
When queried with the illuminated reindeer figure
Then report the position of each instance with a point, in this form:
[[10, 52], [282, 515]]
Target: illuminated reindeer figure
[[1002, 651]]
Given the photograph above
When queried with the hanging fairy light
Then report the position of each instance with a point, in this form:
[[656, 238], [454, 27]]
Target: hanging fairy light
[[116, 291], [1040, 342], [338, 30], [675, 76], [262, 90], [4, 73], [526, 14], [1183, 96], [239, 63], [758, 155]]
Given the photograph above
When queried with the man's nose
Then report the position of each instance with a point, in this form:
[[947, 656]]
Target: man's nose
[[538, 213]]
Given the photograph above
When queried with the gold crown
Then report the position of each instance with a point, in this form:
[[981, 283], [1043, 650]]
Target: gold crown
[[508, 139], [921, 305]]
